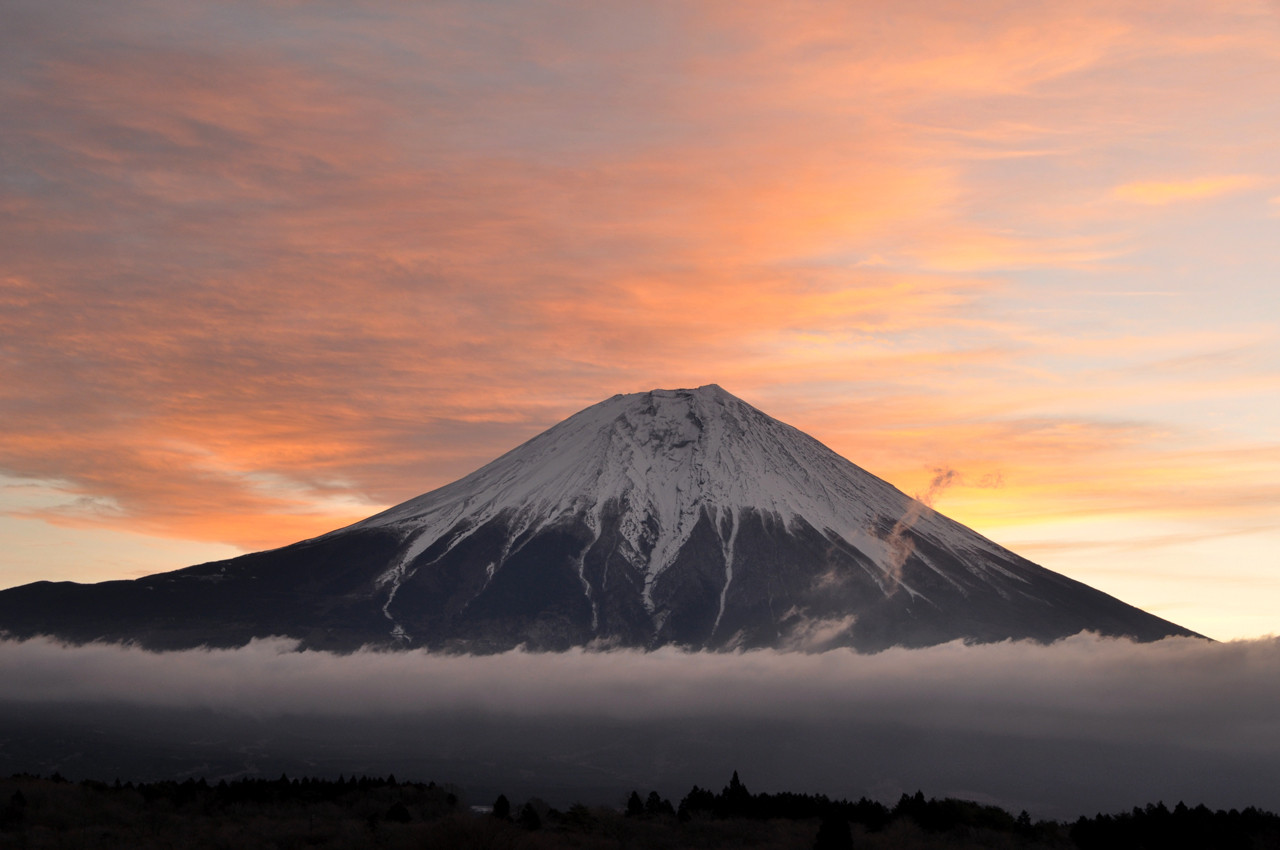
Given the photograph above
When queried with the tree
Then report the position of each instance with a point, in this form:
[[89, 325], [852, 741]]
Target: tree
[[654, 805], [737, 799], [529, 818], [635, 808], [502, 807], [833, 834], [12, 814]]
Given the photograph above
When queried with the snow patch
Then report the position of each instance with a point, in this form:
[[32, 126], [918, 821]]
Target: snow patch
[[728, 569]]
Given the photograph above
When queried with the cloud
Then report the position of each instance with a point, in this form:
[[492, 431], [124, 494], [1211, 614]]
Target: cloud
[[269, 268], [1160, 193], [237, 273], [1091, 704], [1085, 686]]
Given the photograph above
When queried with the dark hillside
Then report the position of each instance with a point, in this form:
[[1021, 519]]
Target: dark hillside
[[41, 813]]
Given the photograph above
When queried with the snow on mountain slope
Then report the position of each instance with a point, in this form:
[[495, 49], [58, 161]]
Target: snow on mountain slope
[[672, 517], [667, 456]]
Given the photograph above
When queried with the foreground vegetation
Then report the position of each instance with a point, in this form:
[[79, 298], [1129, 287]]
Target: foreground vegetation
[[384, 813]]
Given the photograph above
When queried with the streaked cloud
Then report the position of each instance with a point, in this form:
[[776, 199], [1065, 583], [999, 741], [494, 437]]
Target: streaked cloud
[[269, 268], [1159, 193]]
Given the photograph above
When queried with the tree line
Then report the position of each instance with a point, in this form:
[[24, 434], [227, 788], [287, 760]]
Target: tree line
[[363, 811]]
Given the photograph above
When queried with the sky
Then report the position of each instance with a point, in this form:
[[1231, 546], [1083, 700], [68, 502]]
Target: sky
[[268, 268]]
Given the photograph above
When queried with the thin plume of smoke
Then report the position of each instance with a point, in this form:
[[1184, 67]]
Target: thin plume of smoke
[[900, 545]]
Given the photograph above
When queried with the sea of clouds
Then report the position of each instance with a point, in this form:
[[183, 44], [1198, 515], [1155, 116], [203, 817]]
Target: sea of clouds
[[1085, 723]]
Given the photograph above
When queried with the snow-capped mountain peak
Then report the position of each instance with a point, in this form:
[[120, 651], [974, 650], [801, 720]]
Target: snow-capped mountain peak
[[663, 457], [682, 517]]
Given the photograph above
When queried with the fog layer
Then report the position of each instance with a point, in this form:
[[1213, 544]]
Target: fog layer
[[1087, 722]]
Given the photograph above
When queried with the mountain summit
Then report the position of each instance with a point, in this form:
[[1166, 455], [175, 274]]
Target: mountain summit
[[682, 517]]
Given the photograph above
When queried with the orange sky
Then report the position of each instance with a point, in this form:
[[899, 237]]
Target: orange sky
[[267, 268]]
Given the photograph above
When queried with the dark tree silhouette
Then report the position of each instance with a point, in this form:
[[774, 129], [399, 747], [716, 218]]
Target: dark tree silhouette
[[655, 805], [635, 808], [529, 818], [737, 799], [833, 834], [502, 807], [11, 815]]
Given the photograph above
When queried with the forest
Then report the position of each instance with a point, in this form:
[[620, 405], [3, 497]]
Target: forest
[[250, 813]]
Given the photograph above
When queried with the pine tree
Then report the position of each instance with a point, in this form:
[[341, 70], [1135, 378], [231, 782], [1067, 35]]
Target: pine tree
[[635, 808], [737, 799]]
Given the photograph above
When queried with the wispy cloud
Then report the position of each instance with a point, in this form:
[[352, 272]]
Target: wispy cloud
[[1161, 192], [266, 267]]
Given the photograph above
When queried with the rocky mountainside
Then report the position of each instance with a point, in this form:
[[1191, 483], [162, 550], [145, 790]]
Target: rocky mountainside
[[669, 517]]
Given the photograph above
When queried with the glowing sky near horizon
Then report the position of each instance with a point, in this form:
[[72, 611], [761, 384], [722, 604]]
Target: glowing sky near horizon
[[266, 268]]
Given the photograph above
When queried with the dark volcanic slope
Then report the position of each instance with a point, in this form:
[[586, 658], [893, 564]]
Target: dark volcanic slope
[[683, 516]]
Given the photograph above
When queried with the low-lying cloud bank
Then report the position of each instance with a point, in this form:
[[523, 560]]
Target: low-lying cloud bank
[[996, 716], [1219, 695]]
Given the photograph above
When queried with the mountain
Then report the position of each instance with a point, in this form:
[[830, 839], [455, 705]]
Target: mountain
[[681, 517]]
